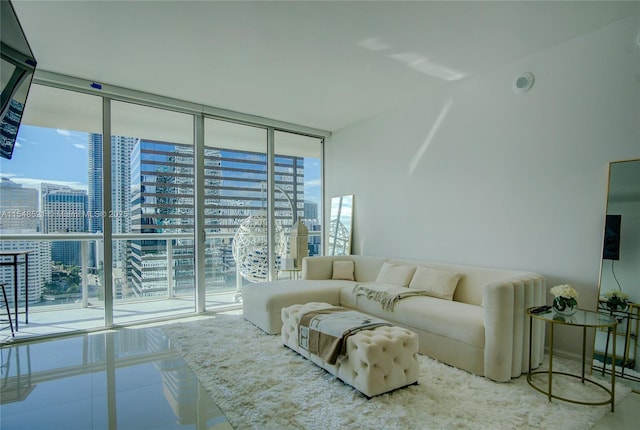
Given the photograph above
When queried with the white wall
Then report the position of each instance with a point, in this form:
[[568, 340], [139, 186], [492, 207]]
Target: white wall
[[476, 174]]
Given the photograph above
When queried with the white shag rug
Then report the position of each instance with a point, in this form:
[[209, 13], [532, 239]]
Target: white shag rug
[[260, 384]]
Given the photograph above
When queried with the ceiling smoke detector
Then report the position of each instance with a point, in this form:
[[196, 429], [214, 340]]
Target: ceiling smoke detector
[[523, 83]]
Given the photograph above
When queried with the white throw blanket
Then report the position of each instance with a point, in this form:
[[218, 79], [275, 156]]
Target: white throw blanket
[[324, 332], [387, 295]]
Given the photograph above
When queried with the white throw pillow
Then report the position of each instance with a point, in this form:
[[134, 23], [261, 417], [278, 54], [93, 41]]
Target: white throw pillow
[[343, 270], [395, 274], [438, 283]]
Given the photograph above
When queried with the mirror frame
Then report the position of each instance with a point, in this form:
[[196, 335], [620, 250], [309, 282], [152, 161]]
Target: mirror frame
[[606, 212], [629, 319]]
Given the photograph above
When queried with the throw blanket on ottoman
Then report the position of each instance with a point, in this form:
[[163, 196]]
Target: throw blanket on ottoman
[[324, 332], [387, 295], [375, 361]]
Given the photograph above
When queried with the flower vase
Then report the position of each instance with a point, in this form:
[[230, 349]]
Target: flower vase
[[563, 306], [616, 304]]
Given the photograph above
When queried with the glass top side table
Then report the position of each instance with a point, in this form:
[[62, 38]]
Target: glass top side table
[[584, 319]]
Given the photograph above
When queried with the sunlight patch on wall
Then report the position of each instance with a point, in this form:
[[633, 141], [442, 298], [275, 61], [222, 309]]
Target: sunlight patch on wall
[[427, 141]]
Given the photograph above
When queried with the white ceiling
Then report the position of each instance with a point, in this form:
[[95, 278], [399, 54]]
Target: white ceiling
[[319, 64]]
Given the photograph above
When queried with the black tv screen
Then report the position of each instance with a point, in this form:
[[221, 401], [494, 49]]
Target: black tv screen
[[16, 72], [611, 248]]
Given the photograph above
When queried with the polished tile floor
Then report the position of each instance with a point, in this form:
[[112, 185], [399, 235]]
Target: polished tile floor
[[66, 319], [130, 378], [626, 416]]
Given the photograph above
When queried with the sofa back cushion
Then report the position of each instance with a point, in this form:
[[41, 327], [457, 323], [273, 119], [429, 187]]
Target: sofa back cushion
[[436, 282], [366, 268], [395, 274], [473, 280]]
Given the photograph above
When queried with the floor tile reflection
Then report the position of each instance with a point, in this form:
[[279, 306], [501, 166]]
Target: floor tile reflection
[[122, 379]]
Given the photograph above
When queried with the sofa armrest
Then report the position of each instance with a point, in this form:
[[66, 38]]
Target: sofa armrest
[[498, 298], [507, 326]]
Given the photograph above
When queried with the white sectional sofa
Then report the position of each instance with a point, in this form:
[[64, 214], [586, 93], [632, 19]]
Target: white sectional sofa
[[472, 318]]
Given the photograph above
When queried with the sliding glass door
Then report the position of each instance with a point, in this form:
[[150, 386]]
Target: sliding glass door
[[152, 219], [235, 207]]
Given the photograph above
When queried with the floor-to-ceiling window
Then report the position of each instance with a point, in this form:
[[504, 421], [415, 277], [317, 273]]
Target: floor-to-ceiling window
[[139, 189], [47, 197]]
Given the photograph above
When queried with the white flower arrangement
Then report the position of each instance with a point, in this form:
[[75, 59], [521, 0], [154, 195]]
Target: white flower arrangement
[[616, 300], [615, 293], [565, 300], [566, 291]]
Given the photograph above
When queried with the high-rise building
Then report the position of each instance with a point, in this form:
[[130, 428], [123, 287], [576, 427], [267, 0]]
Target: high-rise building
[[310, 211], [312, 222], [236, 188], [162, 201], [19, 214], [121, 148], [94, 204], [18, 207], [64, 210], [39, 268]]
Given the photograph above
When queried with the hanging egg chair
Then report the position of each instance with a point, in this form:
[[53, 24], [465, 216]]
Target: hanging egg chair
[[251, 250]]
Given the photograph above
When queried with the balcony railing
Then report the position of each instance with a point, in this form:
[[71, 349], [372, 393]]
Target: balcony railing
[[170, 268]]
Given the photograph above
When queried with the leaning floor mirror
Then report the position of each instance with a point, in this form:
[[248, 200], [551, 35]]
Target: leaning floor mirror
[[340, 225], [619, 289]]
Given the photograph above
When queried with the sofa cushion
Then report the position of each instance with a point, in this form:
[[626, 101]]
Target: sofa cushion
[[395, 274], [470, 288], [437, 283], [455, 320], [343, 270]]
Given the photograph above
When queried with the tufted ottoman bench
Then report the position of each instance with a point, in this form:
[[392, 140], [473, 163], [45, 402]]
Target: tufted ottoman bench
[[376, 361]]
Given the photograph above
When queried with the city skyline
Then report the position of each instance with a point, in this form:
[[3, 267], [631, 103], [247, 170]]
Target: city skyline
[[41, 151], [59, 166]]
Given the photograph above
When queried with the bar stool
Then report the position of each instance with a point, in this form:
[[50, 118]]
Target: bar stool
[[6, 306]]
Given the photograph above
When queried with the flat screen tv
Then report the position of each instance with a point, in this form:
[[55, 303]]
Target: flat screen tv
[[16, 72], [611, 249]]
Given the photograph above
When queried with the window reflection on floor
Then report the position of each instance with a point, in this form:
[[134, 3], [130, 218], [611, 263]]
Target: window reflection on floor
[[124, 379]]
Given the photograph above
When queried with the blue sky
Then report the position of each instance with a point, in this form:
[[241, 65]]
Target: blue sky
[[48, 155]]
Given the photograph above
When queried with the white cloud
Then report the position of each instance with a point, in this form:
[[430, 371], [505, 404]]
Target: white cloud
[[63, 132], [313, 183], [80, 145]]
